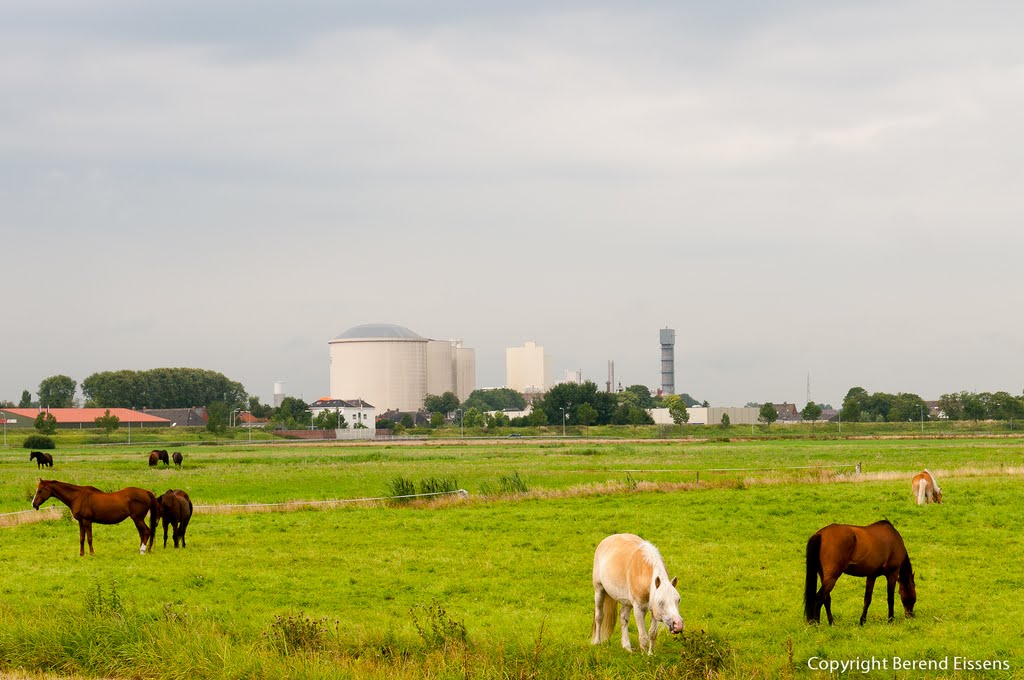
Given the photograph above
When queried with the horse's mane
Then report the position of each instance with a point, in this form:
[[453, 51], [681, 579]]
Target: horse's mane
[[884, 521], [935, 482], [653, 557]]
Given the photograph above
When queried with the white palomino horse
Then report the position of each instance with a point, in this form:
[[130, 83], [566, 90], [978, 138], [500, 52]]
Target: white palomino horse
[[926, 489], [630, 571]]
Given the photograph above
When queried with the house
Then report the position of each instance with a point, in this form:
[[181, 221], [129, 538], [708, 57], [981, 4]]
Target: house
[[354, 411]]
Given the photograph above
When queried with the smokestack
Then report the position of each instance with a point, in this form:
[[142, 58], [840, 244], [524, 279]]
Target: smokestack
[[668, 361]]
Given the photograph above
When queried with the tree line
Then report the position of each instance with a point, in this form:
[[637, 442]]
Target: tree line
[[861, 406]]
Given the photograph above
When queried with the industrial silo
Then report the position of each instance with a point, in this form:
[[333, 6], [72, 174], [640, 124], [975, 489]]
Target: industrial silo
[[382, 364]]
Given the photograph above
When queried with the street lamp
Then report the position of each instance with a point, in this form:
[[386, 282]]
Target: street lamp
[[462, 422], [231, 419], [565, 416]]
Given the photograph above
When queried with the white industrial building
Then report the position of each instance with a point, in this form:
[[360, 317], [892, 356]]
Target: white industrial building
[[394, 368], [527, 369]]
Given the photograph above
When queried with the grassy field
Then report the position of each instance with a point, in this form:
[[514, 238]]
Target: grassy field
[[498, 586]]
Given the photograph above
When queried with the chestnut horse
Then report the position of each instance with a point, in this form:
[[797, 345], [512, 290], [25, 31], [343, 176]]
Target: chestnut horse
[[156, 455], [630, 571], [176, 457], [871, 551], [176, 510], [926, 489], [41, 459], [88, 504]]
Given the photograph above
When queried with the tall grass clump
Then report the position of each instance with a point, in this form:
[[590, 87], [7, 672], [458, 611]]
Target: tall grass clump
[[703, 655], [400, 488], [103, 602], [438, 485], [512, 484], [297, 633], [437, 629]]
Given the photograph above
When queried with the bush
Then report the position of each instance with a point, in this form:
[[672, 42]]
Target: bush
[[38, 441]]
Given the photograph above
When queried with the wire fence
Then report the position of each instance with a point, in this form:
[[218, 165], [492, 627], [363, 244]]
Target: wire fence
[[8, 519]]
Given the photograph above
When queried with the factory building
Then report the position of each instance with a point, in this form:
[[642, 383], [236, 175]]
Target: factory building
[[394, 368], [527, 369]]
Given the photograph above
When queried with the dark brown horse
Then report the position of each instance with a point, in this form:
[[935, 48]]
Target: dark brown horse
[[157, 455], [88, 504], [176, 457], [176, 510], [41, 459], [871, 551]]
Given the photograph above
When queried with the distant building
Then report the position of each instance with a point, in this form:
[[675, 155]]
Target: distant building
[[393, 367], [354, 411], [181, 417], [527, 368], [80, 418], [709, 415]]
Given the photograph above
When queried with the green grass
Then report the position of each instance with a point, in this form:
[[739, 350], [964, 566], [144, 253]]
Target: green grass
[[381, 592]]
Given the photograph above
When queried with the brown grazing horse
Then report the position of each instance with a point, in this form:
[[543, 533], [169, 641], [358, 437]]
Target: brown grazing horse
[[926, 489], [157, 455], [871, 551], [41, 459], [176, 510], [88, 504], [176, 457]]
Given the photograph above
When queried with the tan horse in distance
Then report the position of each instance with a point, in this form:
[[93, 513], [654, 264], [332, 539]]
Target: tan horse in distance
[[630, 571], [926, 489]]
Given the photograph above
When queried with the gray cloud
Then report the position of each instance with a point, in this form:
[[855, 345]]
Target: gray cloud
[[817, 187]]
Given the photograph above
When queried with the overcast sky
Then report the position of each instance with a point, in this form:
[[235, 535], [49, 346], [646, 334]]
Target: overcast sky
[[814, 187]]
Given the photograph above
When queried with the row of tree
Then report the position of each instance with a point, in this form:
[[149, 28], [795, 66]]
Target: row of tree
[[155, 388]]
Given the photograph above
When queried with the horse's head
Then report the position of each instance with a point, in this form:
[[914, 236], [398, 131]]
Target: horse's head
[[43, 494], [938, 495], [664, 602], [908, 591]]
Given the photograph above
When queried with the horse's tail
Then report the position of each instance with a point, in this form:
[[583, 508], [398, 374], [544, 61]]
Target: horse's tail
[[609, 612], [811, 582], [154, 517]]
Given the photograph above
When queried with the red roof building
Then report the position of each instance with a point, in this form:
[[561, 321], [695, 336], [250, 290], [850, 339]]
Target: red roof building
[[80, 417]]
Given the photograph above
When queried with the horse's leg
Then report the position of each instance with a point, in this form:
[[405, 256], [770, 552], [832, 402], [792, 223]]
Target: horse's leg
[[81, 539], [88, 535], [624, 620], [868, 590], [890, 592], [177, 534], [599, 596], [652, 633], [824, 597], [165, 532], [640, 616], [140, 525]]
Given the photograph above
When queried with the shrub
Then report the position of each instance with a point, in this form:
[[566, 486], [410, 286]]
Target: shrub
[[39, 441]]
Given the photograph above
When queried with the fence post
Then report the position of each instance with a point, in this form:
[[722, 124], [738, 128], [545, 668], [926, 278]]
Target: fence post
[[858, 468], [698, 476]]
